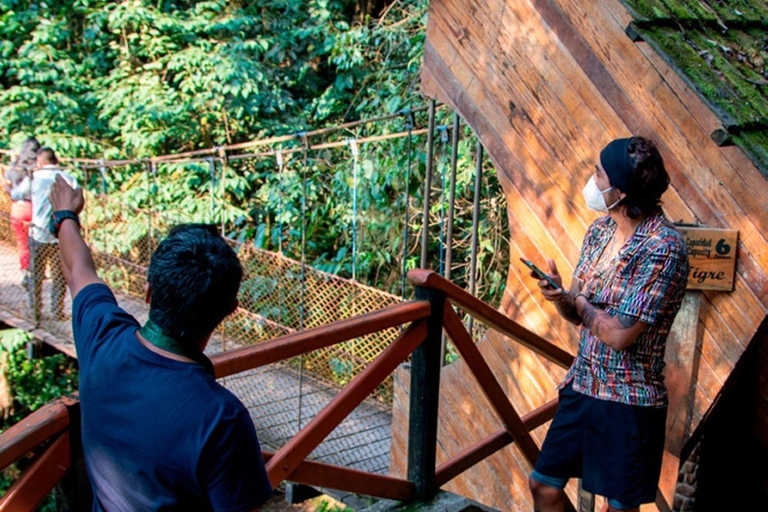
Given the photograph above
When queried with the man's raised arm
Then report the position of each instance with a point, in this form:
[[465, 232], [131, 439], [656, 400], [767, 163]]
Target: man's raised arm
[[76, 261]]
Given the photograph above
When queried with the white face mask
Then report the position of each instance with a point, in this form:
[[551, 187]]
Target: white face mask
[[593, 196]]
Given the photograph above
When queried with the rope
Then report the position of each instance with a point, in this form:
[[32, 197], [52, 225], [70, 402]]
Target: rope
[[303, 137], [255, 142], [223, 156], [212, 174], [444, 141], [475, 226], [353, 298], [280, 190], [355, 160], [150, 191], [410, 122]]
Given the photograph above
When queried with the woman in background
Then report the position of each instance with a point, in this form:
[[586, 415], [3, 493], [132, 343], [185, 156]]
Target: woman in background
[[17, 186]]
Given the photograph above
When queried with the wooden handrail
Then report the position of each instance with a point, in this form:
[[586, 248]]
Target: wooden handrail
[[39, 479], [40, 426], [295, 344], [490, 316]]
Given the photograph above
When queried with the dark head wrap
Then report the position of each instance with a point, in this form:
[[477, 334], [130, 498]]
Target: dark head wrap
[[617, 165]]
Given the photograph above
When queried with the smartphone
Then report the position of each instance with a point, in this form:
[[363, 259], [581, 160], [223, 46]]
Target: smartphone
[[540, 274]]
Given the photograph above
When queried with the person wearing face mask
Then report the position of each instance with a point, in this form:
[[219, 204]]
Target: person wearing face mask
[[625, 292]]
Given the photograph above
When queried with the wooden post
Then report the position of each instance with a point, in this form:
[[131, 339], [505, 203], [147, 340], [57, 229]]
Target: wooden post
[[425, 395], [678, 376], [586, 500]]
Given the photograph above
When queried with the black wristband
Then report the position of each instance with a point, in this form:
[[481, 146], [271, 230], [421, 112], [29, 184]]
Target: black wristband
[[58, 217]]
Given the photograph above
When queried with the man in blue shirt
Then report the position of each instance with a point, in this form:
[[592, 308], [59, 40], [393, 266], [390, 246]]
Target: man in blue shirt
[[159, 433]]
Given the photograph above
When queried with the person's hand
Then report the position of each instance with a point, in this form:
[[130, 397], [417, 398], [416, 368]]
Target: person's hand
[[64, 197], [554, 295]]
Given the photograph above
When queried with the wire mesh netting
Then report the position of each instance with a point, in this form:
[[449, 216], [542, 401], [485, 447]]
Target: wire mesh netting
[[278, 295]]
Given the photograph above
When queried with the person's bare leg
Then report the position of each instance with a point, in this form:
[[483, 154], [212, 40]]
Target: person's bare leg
[[546, 498]]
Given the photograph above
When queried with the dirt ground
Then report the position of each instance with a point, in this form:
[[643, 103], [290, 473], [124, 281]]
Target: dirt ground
[[320, 504]]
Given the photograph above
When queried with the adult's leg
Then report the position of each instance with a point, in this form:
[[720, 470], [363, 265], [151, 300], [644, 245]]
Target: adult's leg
[[37, 274], [21, 216], [561, 454], [546, 498], [59, 285], [623, 451]]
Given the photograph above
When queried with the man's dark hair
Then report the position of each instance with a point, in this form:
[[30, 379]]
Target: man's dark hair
[[649, 179], [194, 277], [47, 156]]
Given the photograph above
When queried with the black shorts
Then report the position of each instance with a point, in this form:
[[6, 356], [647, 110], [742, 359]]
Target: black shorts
[[615, 448]]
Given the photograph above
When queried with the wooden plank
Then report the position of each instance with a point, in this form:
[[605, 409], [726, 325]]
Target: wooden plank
[[461, 398], [667, 119], [678, 377], [492, 481], [536, 156], [486, 447], [593, 63], [39, 479], [469, 352]]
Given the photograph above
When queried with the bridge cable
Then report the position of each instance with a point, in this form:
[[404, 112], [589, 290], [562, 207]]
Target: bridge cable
[[355, 169], [212, 175], [302, 311], [409, 124], [443, 153], [280, 189]]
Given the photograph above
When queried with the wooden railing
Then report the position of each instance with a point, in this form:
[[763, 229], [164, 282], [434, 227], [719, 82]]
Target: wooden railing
[[424, 321]]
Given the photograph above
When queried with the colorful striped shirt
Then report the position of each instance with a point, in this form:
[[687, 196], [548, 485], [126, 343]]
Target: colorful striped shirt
[[646, 280]]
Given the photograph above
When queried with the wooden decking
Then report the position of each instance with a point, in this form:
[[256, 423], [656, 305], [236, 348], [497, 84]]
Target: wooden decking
[[280, 398]]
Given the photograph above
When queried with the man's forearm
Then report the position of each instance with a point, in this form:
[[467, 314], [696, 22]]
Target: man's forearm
[[76, 260]]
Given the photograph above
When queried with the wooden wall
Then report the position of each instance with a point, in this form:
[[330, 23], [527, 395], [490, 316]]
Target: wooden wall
[[546, 84]]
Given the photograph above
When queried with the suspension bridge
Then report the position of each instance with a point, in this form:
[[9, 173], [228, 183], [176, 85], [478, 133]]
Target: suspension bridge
[[279, 297]]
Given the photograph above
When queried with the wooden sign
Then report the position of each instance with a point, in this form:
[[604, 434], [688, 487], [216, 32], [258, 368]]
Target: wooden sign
[[712, 257]]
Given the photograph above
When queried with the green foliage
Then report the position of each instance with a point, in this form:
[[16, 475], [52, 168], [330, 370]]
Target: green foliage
[[136, 78], [33, 383]]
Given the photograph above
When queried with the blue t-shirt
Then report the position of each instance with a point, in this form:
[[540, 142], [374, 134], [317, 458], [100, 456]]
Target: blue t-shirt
[[158, 434]]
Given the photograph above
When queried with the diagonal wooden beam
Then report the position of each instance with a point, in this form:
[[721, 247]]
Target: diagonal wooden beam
[[318, 474], [290, 456], [490, 386], [39, 479], [491, 317]]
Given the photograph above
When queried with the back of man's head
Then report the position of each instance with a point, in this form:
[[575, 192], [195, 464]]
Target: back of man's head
[[194, 276], [46, 156]]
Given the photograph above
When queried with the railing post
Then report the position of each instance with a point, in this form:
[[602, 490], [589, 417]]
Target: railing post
[[425, 395]]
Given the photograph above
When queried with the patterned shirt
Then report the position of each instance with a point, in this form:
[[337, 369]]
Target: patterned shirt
[[646, 280]]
